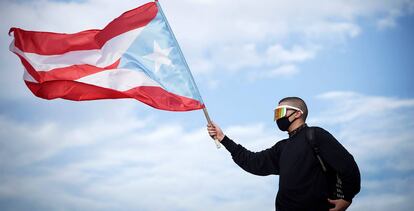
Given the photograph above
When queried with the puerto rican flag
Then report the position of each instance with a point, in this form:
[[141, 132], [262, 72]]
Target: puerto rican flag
[[134, 56]]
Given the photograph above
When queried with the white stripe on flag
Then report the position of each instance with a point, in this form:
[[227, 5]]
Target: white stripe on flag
[[110, 52], [119, 79]]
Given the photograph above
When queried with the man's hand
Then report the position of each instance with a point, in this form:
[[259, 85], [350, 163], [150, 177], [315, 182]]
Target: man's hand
[[215, 131], [340, 204]]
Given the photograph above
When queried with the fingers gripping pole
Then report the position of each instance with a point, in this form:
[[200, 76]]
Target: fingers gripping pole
[[209, 122]]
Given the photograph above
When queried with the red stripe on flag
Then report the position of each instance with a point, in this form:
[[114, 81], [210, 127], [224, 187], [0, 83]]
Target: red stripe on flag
[[159, 98], [49, 43], [153, 96]]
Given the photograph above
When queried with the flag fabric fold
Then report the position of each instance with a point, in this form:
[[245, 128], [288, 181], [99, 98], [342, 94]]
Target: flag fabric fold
[[134, 56]]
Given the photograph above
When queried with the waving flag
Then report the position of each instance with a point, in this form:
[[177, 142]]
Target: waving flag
[[134, 56]]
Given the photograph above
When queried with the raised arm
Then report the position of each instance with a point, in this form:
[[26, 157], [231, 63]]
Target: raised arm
[[259, 163]]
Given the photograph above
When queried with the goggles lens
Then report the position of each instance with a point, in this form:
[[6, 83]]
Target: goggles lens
[[280, 112]]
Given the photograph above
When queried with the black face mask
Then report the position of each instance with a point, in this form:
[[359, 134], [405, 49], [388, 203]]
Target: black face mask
[[284, 123]]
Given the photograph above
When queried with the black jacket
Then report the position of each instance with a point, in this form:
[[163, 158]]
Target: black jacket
[[302, 183]]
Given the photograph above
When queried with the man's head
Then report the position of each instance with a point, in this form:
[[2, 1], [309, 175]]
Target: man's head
[[290, 113], [298, 103]]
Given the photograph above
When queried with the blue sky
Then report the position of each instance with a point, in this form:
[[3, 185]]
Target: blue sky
[[350, 60]]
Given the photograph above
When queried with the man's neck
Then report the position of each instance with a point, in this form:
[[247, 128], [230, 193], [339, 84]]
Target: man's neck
[[295, 125], [297, 130]]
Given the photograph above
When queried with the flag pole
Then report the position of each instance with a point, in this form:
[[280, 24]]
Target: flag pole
[[210, 123], [189, 72]]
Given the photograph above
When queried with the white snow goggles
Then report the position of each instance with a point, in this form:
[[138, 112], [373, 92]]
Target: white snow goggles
[[281, 111]]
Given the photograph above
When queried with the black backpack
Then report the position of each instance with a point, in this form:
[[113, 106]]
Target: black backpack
[[334, 182]]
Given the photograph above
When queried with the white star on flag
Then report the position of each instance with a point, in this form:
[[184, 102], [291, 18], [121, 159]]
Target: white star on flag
[[159, 56]]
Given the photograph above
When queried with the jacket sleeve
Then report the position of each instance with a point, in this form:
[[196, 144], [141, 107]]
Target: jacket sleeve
[[261, 163], [338, 158]]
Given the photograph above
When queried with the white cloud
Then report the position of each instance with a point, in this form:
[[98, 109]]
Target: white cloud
[[120, 162], [129, 169], [231, 26], [270, 62], [33, 143], [220, 36], [390, 20], [283, 71], [333, 31], [351, 105], [236, 58], [278, 54], [384, 202]]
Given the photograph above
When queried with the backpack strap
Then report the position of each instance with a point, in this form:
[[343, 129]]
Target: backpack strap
[[310, 138]]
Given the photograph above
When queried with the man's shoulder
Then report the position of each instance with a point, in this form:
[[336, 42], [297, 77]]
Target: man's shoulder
[[318, 129], [279, 145], [322, 135], [281, 142]]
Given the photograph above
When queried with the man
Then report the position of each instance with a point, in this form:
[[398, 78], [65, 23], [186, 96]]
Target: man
[[303, 184]]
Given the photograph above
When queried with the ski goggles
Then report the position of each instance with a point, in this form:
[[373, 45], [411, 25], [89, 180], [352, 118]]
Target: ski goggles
[[281, 111]]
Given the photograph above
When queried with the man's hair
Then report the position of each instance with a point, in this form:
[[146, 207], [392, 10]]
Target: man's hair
[[297, 102]]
